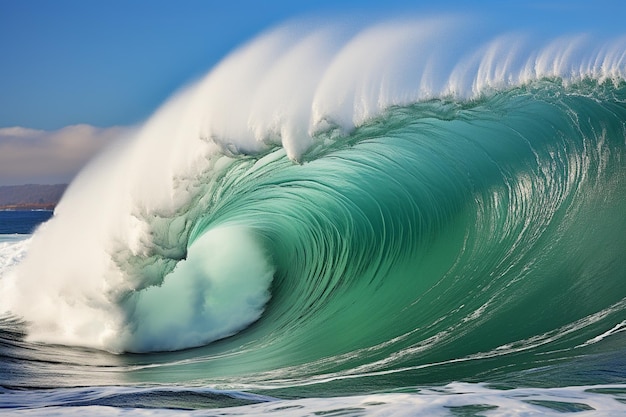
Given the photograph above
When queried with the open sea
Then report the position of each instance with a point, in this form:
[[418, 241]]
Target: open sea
[[307, 232], [22, 221]]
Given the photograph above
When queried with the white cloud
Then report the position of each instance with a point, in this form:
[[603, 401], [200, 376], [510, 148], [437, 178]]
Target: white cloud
[[30, 156]]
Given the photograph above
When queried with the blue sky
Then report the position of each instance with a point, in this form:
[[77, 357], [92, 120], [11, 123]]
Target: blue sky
[[72, 71], [109, 63]]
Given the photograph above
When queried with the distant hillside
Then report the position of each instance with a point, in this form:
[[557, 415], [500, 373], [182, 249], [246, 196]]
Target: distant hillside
[[30, 197]]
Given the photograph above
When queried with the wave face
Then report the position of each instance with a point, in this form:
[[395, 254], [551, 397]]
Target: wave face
[[345, 204]]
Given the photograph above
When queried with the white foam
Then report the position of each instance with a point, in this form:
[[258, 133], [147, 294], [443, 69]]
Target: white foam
[[452, 399], [219, 288], [12, 250]]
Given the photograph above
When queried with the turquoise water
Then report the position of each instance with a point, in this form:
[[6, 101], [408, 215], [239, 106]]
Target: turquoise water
[[481, 241], [438, 232], [445, 246]]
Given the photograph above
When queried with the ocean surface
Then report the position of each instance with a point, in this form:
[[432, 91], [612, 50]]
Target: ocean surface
[[22, 221], [435, 236]]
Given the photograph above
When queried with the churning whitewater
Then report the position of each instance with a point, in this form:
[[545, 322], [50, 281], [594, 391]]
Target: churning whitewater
[[410, 200]]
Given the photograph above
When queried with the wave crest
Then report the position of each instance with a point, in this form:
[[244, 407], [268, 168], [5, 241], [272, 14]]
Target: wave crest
[[212, 173]]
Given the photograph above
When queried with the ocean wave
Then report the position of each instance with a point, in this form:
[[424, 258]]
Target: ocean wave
[[319, 214]]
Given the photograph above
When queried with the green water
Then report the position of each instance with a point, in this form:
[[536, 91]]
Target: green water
[[441, 241]]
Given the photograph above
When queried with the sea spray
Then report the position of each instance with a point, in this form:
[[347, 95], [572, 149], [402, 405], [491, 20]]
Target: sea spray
[[221, 286]]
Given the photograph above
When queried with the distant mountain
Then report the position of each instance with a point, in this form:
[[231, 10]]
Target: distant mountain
[[31, 196]]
